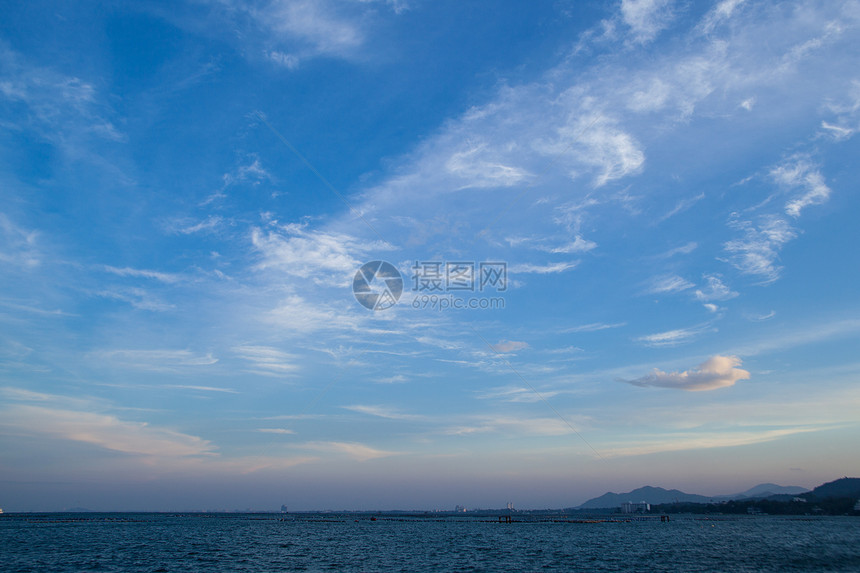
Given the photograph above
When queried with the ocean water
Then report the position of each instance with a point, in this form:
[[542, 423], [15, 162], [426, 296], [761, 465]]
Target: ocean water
[[349, 542]]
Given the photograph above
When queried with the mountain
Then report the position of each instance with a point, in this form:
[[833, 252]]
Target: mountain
[[658, 495], [765, 490], [843, 487], [649, 494]]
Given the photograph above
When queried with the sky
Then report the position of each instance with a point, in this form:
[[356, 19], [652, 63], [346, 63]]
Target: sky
[[619, 244]]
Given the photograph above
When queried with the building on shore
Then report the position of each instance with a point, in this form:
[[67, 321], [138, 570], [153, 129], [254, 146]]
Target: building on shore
[[633, 507]]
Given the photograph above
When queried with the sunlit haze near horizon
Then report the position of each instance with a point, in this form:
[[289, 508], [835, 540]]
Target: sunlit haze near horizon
[[621, 243]]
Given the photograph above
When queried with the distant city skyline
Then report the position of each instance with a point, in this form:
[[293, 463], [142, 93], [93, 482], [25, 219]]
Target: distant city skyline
[[401, 254]]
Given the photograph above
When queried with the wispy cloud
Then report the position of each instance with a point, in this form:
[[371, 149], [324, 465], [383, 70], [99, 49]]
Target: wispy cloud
[[156, 360], [757, 252], [505, 346], [354, 450], [143, 273], [716, 372], [549, 268], [800, 173], [102, 430], [593, 327], [646, 18], [382, 412], [673, 337], [268, 360], [18, 246], [281, 431], [668, 284], [715, 290], [682, 206]]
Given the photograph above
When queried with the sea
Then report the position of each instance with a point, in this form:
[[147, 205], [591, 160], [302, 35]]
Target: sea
[[396, 542]]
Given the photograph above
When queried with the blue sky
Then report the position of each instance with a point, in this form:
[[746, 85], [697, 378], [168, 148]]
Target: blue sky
[[188, 190]]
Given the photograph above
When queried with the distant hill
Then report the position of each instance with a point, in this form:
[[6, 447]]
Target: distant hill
[[764, 490], [769, 489], [649, 494], [843, 487], [658, 495]]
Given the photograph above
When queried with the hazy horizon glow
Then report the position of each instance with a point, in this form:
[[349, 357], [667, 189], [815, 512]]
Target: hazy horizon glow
[[669, 190]]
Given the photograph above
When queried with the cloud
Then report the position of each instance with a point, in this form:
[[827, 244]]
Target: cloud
[[682, 206], [267, 360], [282, 431], [719, 14], [672, 337], [504, 346], [381, 412], [477, 171], [355, 450], [190, 227], [517, 394], [294, 315], [516, 426], [675, 442], [549, 268], [593, 327], [758, 251], [62, 109], [103, 430], [325, 257], [668, 285], [715, 290], [156, 360], [646, 18], [18, 246], [716, 372], [143, 273], [800, 173]]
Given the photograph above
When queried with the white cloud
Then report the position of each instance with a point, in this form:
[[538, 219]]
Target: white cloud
[[515, 426], [674, 442], [549, 268], [137, 297], [504, 346], [62, 109], [268, 360], [18, 246], [758, 251], [716, 372], [593, 327], [297, 315], [156, 360], [381, 412], [324, 257], [281, 431], [614, 152], [102, 430], [289, 61], [719, 14], [354, 450], [800, 173], [646, 18], [668, 285], [682, 250], [143, 273], [682, 206], [479, 169], [672, 337], [715, 290], [517, 394], [190, 227]]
